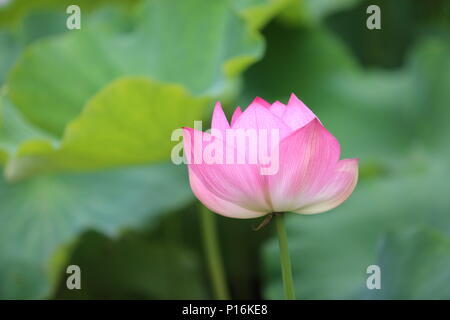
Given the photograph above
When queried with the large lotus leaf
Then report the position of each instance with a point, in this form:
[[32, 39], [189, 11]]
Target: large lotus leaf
[[128, 122], [39, 215], [331, 252], [202, 45]]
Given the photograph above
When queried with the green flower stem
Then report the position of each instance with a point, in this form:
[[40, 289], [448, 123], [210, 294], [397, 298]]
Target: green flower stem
[[211, 245], [286, 269]]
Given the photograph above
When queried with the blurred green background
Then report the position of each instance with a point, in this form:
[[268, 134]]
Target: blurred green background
[[86, 118]]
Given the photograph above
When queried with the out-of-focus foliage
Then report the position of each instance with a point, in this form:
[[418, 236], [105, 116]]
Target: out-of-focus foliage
[[86, 118], [332, 251], [397, 122]]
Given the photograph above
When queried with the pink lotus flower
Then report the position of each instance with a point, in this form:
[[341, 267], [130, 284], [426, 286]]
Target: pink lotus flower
[[309, 178]]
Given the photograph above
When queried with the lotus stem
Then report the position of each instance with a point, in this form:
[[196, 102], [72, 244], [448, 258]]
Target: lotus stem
[[213, 256], [286, 269]]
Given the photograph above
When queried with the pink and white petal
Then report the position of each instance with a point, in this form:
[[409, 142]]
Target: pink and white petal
[[236, 114], [306, 161], [241, 184], [297, 114], [339, 188], [257, 117], [218, 205], [278, 109], [219, 120]]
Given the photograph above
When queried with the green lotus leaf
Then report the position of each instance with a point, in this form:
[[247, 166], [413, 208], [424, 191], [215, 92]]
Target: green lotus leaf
[[131, 121], [39, 215], [202, 45]]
